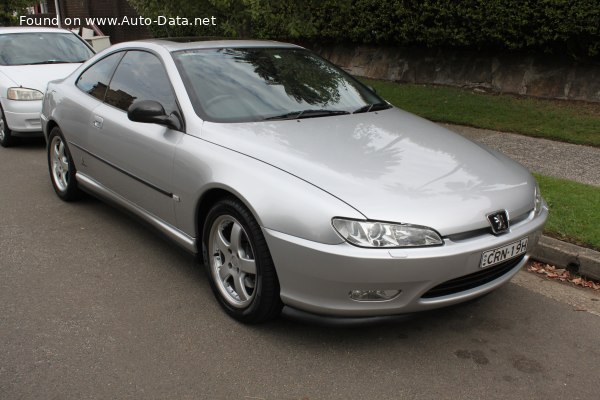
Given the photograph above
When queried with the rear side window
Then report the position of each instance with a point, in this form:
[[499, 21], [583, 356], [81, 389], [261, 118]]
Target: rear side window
[[140, 76], [95, 79]]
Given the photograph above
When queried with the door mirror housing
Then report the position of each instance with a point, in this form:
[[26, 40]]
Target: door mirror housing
[[152, 112]]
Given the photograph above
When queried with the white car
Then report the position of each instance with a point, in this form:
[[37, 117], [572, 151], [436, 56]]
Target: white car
[[29, 59]]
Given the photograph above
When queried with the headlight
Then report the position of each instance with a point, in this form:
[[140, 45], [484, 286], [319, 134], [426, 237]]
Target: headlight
[[537, 202], [24, 94], [385, 234]]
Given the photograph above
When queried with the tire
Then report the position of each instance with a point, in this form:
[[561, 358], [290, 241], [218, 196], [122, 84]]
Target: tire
[[6, 137], [239, 265], [61, 167]]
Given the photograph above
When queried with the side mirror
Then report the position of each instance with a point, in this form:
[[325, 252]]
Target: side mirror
[[152, 112]]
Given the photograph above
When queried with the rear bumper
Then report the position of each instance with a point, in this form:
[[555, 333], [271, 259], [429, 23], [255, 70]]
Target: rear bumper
[[317, 278]]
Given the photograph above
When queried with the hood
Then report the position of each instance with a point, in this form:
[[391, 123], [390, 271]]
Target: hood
[[390, 166], [37, 76]]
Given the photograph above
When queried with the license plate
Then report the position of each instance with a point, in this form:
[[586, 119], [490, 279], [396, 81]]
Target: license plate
[[500, 254]]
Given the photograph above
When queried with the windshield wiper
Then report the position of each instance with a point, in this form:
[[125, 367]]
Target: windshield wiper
[[372, 107], [306, 114], [50, 62]]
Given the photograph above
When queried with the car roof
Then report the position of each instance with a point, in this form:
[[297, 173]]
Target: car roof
[[26, 29], [174, 45]]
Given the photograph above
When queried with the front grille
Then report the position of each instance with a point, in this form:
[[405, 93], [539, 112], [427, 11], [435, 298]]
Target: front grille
[[473, 280], [487, 231]]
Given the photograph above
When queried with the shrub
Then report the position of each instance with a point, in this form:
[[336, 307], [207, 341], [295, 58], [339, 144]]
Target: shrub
[[569, 27]]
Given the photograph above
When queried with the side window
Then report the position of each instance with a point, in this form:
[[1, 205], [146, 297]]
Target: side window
[[95, 79], [140, 76]]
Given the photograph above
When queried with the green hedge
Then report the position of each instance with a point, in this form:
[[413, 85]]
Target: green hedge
[[569, 27]]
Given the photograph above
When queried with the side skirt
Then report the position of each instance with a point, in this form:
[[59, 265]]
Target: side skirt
[[179, 237]]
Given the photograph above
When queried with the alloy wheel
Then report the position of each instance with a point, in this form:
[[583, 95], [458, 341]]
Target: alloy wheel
[[60, 164], [232, 261]]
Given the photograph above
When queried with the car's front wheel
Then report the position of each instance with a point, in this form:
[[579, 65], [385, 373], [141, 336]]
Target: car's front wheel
[[241, 271], [6, 137], [61, 167]]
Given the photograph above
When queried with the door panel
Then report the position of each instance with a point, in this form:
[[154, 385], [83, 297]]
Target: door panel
[[78, 125], [74, 122], [135, 160]]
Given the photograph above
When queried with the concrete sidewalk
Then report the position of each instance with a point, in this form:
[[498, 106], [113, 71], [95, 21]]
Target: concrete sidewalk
[[547, 157]]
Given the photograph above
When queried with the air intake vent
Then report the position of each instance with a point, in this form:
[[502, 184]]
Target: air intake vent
[[471, 281]]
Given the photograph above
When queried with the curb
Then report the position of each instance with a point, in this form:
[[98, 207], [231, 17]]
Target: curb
[[552, 251]]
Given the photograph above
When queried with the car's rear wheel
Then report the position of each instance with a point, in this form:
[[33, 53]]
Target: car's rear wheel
[[61, 167], [6, 137], [241, 271]]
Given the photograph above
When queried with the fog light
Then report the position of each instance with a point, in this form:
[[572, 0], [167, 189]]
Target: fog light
[[373, 295]]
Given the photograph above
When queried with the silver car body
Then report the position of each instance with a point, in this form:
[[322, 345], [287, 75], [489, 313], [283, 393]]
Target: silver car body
[[23, 117], [296, 176]]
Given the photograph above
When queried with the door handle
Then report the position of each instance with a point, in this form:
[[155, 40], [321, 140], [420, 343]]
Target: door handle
[[98, 122]]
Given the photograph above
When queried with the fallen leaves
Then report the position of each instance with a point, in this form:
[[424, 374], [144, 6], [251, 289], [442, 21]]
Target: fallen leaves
[[562, 275]]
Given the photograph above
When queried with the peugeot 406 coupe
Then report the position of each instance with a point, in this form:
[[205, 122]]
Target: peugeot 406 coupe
[[296, 184]]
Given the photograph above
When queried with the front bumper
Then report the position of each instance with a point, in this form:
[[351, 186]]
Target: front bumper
[[318, 278], [23, 117]]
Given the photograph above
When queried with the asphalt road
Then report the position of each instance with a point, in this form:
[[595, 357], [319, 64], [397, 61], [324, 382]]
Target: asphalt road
[[93, 305]]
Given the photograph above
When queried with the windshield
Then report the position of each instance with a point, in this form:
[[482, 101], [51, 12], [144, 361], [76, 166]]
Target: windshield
[[42, 48], [255, 84]]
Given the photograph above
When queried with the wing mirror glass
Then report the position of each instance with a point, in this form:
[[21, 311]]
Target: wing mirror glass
[[152, 112]]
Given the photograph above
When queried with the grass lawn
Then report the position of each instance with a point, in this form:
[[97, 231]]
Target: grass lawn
[[574, 211], [568, 121]]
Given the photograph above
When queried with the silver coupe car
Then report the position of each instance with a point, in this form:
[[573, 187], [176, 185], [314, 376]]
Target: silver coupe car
[[298, 185]]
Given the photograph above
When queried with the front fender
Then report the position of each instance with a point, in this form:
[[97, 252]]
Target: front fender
[[48, 105], [278, 200]]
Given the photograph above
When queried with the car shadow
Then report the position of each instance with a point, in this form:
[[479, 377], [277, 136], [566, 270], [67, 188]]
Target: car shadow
[[484, 314], [30, 142]]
